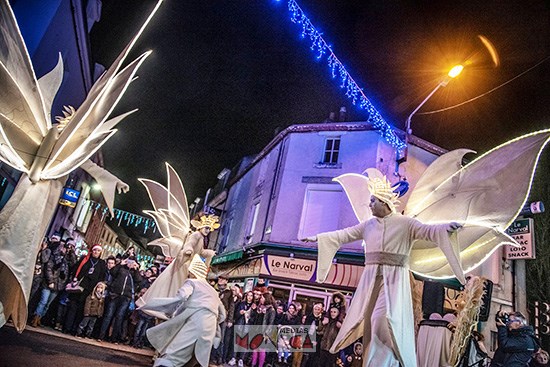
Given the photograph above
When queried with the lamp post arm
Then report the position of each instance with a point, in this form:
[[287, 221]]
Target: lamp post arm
[[441, 84]]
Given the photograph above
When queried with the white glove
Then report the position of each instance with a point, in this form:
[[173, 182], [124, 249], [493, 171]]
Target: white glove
[[122, 187]]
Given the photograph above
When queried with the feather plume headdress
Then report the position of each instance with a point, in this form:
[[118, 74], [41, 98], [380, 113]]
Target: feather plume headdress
[[211, 221], [381, 188]]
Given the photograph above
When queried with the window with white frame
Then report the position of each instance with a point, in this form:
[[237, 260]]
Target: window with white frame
[[331, 150], [321, 210], [253, 220]]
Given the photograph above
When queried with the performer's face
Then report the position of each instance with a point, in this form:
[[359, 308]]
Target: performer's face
[[378, 207], [205, 231]]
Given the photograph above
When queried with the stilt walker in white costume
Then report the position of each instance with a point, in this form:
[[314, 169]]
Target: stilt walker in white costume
[[46, 153], [171, 215], [484, 196], [194, 314]]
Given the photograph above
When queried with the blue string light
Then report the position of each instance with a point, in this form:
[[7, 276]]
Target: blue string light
[[122, 215], [353, 92]]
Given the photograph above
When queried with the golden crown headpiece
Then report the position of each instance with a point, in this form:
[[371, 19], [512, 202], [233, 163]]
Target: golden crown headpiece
[[381, 188], [211, 221], [198, 268]]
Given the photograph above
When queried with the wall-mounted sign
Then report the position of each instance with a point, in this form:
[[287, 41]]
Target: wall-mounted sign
[[522, 231], [69, 197], [290, 268]]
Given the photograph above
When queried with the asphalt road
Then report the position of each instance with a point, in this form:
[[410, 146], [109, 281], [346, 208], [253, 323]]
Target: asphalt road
[[36, 349]]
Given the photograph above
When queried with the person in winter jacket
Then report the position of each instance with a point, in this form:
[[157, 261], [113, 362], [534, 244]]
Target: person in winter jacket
[[90, 270], [55, 276], [339, 301], [314, 321], [93, 309], [356, 359], [331, 329], [242, 317], [124, 284], [516, 341], [38, 275], [266, 308]]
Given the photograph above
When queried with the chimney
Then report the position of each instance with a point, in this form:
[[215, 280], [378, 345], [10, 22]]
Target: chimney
[[331, 117], [343, 113]]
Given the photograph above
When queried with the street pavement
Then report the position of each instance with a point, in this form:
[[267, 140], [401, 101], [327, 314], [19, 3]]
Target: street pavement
[[46, 347]]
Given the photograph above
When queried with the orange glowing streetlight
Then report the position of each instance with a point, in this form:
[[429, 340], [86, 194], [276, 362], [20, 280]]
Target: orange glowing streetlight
[[453, 73]]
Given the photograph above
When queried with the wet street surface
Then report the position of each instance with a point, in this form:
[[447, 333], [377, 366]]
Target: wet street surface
[[38, 349]]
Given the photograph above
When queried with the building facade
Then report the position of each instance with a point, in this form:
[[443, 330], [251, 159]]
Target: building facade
[[287, 192]]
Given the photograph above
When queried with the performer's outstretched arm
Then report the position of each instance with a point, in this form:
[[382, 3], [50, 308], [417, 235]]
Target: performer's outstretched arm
[[329, 243], [444, 235]]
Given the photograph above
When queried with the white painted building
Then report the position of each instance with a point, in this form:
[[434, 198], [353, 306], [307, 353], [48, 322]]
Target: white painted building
[[286, 192]]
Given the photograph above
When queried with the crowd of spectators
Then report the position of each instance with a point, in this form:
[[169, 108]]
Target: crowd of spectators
[[90, 296], [272, 316], [93, 297]]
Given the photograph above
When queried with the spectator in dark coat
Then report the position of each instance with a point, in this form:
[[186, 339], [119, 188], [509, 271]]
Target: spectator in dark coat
[[331, 328], [267, 311], [314, 323], [55, 276], [516, 342], [226, 296], [41, 258], [126, 280], [89, 271]]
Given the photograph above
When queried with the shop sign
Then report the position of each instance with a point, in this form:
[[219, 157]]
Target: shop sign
[[290, 268], [69, 197], [251, 268], [521, 230]]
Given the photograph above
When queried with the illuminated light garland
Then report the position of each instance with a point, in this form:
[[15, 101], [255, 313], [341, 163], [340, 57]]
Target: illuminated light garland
[[353, 91], [122, 215]]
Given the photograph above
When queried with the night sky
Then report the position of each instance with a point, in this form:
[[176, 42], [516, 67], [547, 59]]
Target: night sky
[[224, 76]]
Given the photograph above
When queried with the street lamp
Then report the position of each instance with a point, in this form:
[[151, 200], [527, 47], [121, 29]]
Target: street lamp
[[453, 73]]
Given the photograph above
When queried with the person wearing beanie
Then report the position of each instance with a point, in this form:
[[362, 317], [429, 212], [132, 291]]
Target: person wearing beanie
[[194, 314]]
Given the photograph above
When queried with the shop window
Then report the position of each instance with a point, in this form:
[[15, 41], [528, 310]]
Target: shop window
[[321, 210]]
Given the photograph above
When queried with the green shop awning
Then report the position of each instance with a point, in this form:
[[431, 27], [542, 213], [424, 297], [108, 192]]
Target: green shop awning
[[230, 256]]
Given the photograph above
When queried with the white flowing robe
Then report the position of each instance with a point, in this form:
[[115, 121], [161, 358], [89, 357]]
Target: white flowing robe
[[23, 224], [175, 274], [197, 312], [381, 310]]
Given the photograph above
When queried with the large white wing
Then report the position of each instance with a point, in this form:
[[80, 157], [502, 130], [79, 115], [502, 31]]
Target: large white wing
[[20, 96], [357, 190], [79, 138], [177, 201], [437, 172], [486, 196]]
